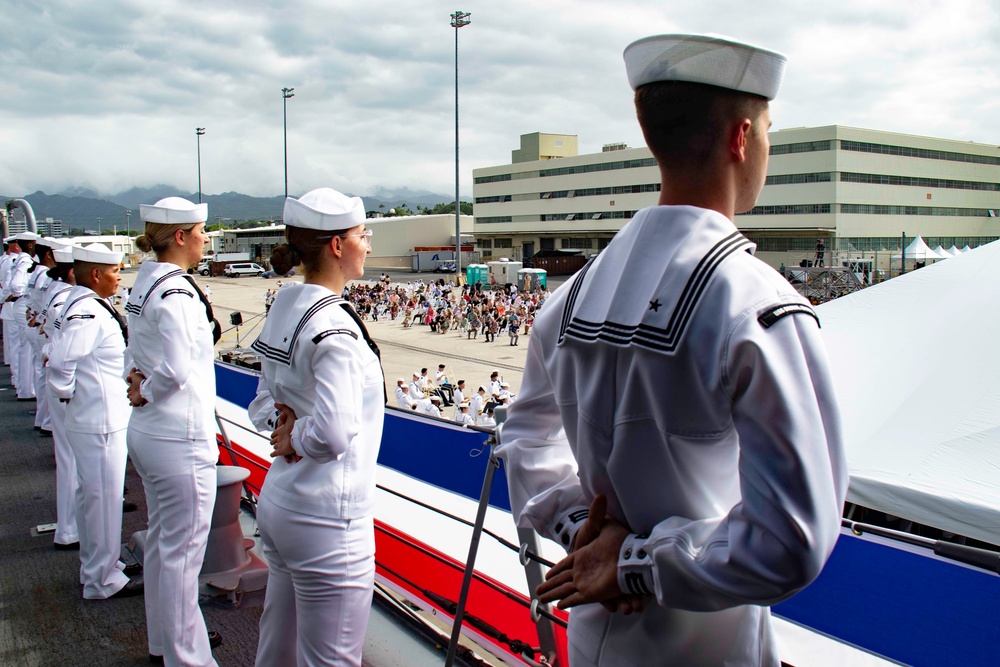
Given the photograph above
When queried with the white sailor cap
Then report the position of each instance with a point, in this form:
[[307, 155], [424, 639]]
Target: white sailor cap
[[324, 209], [63, 255], [96, 253], [504, 384], [398, 380], [435, 397], [464, 405], [26, 236], [174, 211], [709, 59], [55, 244]]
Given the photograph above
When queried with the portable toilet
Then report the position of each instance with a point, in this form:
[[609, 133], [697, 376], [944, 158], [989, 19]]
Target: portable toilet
[[503, 272], [477, 272], [531, 279]]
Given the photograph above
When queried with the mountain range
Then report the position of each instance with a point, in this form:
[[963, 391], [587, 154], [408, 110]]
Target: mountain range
[[81, 208]]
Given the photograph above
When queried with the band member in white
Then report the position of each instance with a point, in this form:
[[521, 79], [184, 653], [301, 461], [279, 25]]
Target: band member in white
[[171, 436], [677, 429], [322, 396], [85, 372], [66, 536]]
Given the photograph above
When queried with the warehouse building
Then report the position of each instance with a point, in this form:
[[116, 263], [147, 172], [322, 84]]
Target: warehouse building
[[858, 190]]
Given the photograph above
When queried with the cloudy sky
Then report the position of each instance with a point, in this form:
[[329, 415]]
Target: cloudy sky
[[106, 94]]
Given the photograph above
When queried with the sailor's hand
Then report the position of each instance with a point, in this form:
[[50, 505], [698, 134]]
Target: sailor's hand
[[281, 436], [590, 573], [134, 380]]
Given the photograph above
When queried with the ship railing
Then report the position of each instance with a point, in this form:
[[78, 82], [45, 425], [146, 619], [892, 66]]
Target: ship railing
[[528, 551]]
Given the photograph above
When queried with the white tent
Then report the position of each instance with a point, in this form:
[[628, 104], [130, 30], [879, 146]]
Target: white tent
[[922, 432], [941, 252], [918, 251], [953, 251], [966, 248]]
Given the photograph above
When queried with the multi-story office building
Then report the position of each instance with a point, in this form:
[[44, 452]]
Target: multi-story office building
[[858, 190]]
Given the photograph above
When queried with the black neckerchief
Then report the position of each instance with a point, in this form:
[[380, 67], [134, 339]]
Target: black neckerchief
[[214, 323]]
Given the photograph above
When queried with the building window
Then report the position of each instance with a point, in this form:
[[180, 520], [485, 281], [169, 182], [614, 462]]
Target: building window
[[883, 179], [495, 218], [601, 166], [789, 209], [907, 151], [492, 179], [484, 243], [796, 179], [582, 243], [942, 211], [802, 147], [503, 243], [547, 244]]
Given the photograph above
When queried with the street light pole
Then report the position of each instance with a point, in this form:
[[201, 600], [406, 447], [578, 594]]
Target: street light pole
[[459, 19], [199, 131], [98, 226], [128, 223], [285, 94]]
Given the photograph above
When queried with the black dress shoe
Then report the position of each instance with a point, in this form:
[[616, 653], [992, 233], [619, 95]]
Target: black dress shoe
[[132, 569], [45, 433], [131, 589], [156, 659], [214, 639], [72, 546], [128, 506]]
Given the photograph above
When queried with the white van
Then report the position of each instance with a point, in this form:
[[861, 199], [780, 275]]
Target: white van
[[243, 269]]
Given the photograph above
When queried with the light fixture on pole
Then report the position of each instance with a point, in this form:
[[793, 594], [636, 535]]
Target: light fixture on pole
[[98, 226], [128, 232], [199, 131], [459, 19], [285, 94]]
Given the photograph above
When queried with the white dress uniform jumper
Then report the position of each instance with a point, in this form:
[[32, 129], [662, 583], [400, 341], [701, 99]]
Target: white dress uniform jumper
[[721, 451], [85, 367], [171, 440], [316, 514]]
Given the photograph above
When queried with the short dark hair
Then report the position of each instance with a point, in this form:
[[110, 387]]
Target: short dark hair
[[683, 122]]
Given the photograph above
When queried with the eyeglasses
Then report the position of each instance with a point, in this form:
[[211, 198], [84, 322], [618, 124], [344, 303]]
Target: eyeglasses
[[367, 234]]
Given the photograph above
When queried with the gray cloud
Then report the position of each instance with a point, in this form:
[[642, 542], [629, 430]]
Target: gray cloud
[[107, 95]]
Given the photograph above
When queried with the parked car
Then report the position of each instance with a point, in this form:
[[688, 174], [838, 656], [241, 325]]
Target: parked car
[[243, 269], [204, 267], [445, 267]]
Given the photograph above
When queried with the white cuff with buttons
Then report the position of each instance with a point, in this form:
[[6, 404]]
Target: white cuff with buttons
[[635, 567]]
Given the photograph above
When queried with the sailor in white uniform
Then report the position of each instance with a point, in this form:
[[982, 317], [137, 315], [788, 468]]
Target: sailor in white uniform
[[403, 399], [85, 372], [430, 406], [322, 396], [677, 390], [38, 281], [6, 262], [171, 435], [66, 535], [12, 295]]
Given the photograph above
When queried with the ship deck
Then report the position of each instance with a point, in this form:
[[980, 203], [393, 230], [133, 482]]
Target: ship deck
[[44, 622]]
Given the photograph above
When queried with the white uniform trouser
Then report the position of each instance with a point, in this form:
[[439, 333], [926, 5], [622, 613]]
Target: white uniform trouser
[[66, 479], [7, 326], [25, 358], [321, 573], [42, 419], [11, 332], [180, 481], [100, 469]]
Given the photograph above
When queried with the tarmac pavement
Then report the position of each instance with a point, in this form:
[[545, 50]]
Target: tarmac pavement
[[403, 350]]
